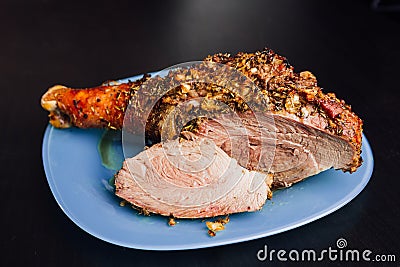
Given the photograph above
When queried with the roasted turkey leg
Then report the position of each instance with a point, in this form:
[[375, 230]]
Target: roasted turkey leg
[[294, 97]]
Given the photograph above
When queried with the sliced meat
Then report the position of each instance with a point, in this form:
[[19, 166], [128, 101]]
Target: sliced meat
[[190, 179], [289, 148]]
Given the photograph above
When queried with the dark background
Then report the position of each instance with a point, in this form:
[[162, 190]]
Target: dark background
[[352, 49]]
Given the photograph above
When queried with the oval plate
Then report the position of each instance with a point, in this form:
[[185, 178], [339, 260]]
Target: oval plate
[[80, 185]]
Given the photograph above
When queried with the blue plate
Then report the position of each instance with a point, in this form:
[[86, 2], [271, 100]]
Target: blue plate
[[79, 178], [81, 185]]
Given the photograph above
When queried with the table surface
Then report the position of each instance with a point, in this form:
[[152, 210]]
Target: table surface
[[352, 49]]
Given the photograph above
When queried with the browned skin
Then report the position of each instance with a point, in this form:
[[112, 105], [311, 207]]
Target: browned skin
[[99, 107], [288, 93]]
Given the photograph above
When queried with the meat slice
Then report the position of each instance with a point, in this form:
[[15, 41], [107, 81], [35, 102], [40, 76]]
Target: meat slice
[[190, 179], [285, 146]]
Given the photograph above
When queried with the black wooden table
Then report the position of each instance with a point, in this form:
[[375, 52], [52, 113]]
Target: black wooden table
[[352, 49]]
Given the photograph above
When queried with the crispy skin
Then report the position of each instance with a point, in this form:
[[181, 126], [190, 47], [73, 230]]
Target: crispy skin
[[289, 94], [99, 107]]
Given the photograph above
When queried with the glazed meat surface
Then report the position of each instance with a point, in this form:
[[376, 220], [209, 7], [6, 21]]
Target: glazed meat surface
[[100, 107]]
